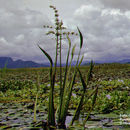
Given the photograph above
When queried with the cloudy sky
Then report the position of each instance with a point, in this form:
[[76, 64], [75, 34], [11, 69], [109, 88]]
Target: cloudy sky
[[105, 25]]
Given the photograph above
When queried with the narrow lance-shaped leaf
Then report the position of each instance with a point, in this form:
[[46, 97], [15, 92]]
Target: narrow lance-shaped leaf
[[94, 97], [65, 109], [73, 50], [64, 81], [67, 60], [76, 116], [51, 113], [81, 38], [81, 43], [47, 55], [82, 80], [89, 75], [36, 100], [81, 60], [93, 103], [77, 112], [67, 76]]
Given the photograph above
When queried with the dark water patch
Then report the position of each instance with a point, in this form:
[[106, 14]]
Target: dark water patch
[[20, 115], [17, 116]]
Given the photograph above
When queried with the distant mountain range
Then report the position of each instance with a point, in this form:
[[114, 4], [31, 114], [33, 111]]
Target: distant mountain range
[[125, 61], [10, 63]]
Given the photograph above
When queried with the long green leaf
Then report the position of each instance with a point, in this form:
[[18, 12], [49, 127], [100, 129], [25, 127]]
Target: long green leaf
[[47, 55], [94, 97], [35, 108], [73, 50], [82, 80], [66, 106], [51, 113], [93, 103], [65, 109], [67, 83], [36, 100], [81, 38], [76, 115], [77, 112], [81, 60], [64, 82], [89, 75]]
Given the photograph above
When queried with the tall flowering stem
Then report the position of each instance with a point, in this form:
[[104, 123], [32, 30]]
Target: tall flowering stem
[[66, 85]]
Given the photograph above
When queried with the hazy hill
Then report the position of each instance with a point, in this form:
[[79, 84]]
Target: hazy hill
[[125, 61], [10, 63]]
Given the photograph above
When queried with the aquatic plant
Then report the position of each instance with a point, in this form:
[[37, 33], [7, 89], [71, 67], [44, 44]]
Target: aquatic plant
[[36, 99], [66, 85], [3, 70]]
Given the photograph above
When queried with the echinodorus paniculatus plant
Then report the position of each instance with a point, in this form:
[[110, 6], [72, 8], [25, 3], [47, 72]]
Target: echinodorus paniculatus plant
[[57, 118]]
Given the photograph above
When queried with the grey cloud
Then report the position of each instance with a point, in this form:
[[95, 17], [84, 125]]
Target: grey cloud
[[106, 36], [21, 29], [21, 19], [104, 24], [120, 4], [11, 4]]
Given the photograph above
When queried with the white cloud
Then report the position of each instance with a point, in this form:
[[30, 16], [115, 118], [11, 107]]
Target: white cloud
[[85, 10], [127, 14]]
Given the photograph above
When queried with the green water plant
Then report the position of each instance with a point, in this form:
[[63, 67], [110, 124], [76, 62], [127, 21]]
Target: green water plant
[[66, 85], [36, 98], [4, 70]]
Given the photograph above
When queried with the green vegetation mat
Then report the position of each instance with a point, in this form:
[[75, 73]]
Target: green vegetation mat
[[18, 90]]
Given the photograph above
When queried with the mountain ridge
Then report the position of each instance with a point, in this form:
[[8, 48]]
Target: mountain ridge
[[10, 63]]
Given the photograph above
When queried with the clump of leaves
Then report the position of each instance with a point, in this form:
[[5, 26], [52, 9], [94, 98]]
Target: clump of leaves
[[66, 85]]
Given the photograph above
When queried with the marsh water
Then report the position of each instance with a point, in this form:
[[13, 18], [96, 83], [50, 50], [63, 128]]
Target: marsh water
[[20, 115]]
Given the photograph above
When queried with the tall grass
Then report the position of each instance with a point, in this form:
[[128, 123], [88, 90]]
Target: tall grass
[[66, 85]]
